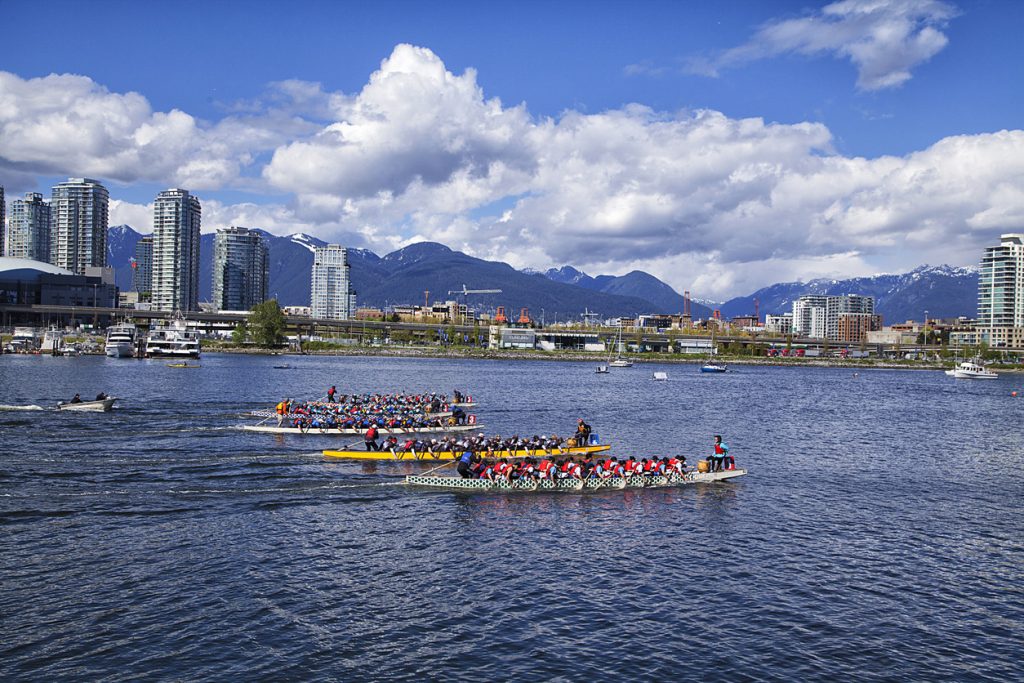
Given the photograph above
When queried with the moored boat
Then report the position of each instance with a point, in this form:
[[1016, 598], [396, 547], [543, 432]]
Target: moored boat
[[172, 339], [95, 406], [714, 367], [120, 341], [427, 456], [591, 484]]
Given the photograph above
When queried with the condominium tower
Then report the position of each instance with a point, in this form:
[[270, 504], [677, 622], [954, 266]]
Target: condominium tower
[[331, 292], [1001, 293], [3, 206], [240, 269], [176, 219], [142, 266], [78, 232], [28, 230], [845, 318]]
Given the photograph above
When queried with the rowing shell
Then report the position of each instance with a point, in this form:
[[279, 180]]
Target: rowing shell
[[426, 456], [383, 431], [592, 484]]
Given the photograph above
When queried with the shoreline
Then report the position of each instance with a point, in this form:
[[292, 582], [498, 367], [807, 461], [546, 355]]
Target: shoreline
[[600, 358]]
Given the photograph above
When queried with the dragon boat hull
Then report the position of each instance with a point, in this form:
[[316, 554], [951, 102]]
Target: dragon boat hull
[[452, 455], [382, 431], [458, 484], [271, 413]]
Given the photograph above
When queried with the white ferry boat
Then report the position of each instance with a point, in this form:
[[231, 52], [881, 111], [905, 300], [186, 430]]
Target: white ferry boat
[[172, 339], [121, 341], [972, 369]]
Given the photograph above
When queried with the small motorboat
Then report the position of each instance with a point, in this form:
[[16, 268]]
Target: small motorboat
[[282, 367], [660, 376], [621, 363], [602, 369], [714, 367], [102, 406]]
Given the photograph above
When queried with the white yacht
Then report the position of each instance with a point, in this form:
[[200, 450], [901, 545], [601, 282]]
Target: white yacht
[[172, 339], [121, 340], [972, 369]]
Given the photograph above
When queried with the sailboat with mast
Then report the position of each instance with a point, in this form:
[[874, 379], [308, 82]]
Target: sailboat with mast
[[619, 361]]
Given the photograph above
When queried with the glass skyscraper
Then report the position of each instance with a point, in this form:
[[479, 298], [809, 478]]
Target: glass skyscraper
[[176, 219], [240, 269], [28, 230], [331, 292], [78, 219], [142, 270], [1001, 293]]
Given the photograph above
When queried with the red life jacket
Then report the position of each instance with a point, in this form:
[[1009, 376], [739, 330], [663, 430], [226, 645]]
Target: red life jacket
[[608, 465], [719, 450], [544, 466], [371, 433]]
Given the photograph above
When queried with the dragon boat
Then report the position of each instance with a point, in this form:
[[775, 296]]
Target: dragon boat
[[421, 415], [592, 484], [382, 431], [427, 456]]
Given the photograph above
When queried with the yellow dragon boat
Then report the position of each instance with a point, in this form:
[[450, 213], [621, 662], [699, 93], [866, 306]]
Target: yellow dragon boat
[[427, 456]]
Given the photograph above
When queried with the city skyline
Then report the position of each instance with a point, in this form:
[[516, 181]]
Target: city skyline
[[720, 149]]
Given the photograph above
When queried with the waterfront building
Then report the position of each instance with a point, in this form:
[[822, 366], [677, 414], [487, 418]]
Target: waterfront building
[[78, 224], [28, 229], [853, 328], [142, 266], [3, 208], [1001, 293], [28, 282], [240, 269], [778, 324], [331, 294], [818, 316], [177, 215], [809, 316]]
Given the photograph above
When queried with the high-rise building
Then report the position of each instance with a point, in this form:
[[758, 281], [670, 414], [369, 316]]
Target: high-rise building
[[3, 207], [176, 219], [241, 265], [78, 224], [1001, 293], [818, 316], [142, 266], [28, 229], [331, 293]]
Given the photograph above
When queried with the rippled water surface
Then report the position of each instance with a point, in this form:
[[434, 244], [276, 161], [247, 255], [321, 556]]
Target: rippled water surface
[[879, 536]]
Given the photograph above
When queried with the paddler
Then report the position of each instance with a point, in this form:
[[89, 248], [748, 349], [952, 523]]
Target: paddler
[[466, 462], [370, 438], [281, 409]]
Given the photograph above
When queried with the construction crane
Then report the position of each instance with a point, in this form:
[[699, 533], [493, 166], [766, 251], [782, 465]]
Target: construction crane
[[466, 292]]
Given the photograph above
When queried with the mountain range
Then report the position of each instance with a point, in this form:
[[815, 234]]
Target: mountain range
[[407, 275]]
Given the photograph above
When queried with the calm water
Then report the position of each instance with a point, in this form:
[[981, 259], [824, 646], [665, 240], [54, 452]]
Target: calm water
[[880, 535]]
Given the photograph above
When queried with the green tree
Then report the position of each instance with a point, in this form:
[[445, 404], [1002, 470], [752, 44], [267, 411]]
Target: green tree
[[240, 334], [267, 323]]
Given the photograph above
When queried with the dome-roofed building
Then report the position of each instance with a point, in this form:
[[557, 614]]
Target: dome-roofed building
[[25, 282]]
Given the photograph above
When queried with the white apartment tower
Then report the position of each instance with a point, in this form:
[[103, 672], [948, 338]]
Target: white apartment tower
[[28, 229], [1001, 293], [175, 272], [818, 316], [240, 269], [331, 292], [3, 207], [78, 232]]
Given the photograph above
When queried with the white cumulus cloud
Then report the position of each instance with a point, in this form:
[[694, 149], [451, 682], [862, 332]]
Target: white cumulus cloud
[[884, 39]]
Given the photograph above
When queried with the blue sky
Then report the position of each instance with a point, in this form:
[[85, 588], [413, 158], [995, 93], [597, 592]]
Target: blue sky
[[720, 146]]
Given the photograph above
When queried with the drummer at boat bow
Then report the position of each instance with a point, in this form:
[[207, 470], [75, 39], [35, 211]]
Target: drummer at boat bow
[[582, 433]]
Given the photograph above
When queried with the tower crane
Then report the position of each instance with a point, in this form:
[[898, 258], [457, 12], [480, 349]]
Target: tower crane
[[466, 292]]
